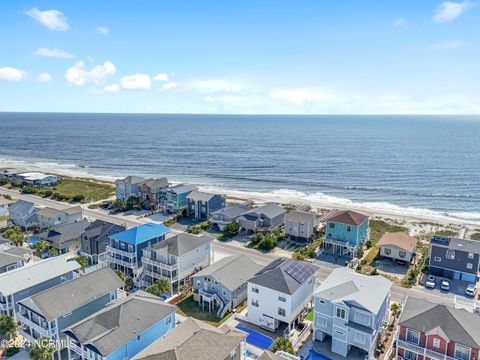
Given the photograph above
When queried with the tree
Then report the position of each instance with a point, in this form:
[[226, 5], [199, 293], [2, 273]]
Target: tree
[[82, 260], [120, 204], [183, 288], [396, 309], [39, 248], [283, 344], [231, 229], [127, 280], [14, 234], [160, 288], [8, 326], [42, 349], [52, 252]]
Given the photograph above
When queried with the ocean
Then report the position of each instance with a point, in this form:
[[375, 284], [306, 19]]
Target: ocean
[[406, 164]]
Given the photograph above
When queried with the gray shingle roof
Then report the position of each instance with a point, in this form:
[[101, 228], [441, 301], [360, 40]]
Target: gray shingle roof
[[156, 183], [231, 271], [182, 243], [300, 216], [472, 246], [233, 211], [121, 321], [200, 196], [194, 340], [18, 251], [21, 206], [65, 232], [71, 295], [36, 273], [8, 259], [275, 277], [181, 188], [100, 227], [459, 325], [49, 212], [268, 210], [347, 286]]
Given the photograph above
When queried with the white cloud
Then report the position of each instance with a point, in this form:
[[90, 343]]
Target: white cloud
[[169, 86], [56, 53], [112, 89], [44, 77], [216, 85], [52, 19], [448, 11], [78, 75], [399, 22], [299, 96], [136, 81], [161, 77], [446, 45], [12, 74], [102, 30]]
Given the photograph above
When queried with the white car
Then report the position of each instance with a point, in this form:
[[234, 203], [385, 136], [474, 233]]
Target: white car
[[471, 290], [445, 285], [430, 283]]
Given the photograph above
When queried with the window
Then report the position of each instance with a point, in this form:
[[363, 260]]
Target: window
[[199, 283], [255, 289], [402, 254], [462, 352], [138, 337], [331, 225], [413, 336], [436, 343], [471, 256], [67, 314], [255, 302], [360, 337], [322, 301], [321, 321], [282, 299], [388, 251], [281, 311], [409, 355], [168, 319], [341, 313], [232, 355], [361, 318], [450, 254], [469, 266], [349, 228], [224, 292], [438, 258]]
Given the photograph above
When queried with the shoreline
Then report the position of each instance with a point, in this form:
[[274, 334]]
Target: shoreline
[[319, 202]]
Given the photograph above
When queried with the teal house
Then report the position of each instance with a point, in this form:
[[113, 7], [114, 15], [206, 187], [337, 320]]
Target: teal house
[[125, 250], [122, 329], [174, 199], [345, 232]]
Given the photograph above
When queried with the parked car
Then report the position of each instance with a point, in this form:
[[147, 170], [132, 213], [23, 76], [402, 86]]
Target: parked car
[[431, 282], [471, 290], [401, 262], [445, 285]]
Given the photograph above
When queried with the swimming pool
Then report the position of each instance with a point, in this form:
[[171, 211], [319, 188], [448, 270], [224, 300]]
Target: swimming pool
[[256, 339], [316, 356]]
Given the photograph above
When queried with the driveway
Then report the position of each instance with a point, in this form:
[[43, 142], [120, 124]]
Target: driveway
[[457, 288], [390, 267]]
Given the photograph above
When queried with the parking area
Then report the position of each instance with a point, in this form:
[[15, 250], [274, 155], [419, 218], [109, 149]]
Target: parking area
[[391, 267], [457, 287]]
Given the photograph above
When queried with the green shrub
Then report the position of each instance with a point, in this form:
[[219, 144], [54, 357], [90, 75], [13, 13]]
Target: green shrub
[[371, 256], [29, 189], [78, 198]]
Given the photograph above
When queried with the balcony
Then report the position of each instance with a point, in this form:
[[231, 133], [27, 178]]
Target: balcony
[[156, 275], [33, 325], [74, 347], [129, 264], [423, 351], [123, 253], [158, 264], [4, 307]]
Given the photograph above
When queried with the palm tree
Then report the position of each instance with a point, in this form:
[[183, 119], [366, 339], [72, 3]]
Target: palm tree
[[127, 280], [40, 247], [283, 344], [160, 288], [82, 260], [8, 326], [42, 349]]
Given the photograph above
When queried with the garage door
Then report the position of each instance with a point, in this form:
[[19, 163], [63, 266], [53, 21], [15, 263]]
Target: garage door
[[468, 277]]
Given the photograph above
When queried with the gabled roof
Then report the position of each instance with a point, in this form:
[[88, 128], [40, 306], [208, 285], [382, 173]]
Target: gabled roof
[[100, 227], [193, 339], [73, 210], [182, 243], [155, 183], [141, 233], [453, 243], [123, 320], [231, 271], [8, 259], [233, 211], [131, 179], [301, 216], [277, 275], [21, 206], [18, 251], [200, 196], [49, 212], [66, 232], [400, 240], [269, 210], [71, 295], [181, 188], [458, 325], [346, 286], [268, 355], [347, 217], [36, 273]]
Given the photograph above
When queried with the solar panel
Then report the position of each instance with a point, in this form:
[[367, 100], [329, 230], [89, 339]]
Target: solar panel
[[300, 272]]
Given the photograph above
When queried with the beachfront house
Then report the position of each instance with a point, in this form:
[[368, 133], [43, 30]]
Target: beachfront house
[[4, 203], [280, 294], [95, 239], [29, 280], [196, 339], [122, 329], [125, 249], [227, 215], [345, 232], [49, 218], [176, 259], [23, 214], [174, 198], [429, 330], [65, 238], [47, 313], [300, 225], [38, 179], [455, 258], [349, 311], [128, 187], [221, 287], [201, 204], [262, 219], [151, 191], [397, 246]]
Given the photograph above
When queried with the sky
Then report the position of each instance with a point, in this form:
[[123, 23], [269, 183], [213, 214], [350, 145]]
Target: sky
[[241, 57]]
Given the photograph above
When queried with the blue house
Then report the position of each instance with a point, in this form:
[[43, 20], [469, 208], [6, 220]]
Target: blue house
[[345, 232], [174, 199], [122, 329], [26, 281], [125, 250], [202, 204]]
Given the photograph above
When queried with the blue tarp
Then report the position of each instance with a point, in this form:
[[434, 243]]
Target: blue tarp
[[256, 339]]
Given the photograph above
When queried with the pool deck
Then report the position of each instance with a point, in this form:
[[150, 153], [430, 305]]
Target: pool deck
[[324, 349]]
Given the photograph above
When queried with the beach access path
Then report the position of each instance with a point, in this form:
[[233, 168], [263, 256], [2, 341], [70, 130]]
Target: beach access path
[[221, 249]]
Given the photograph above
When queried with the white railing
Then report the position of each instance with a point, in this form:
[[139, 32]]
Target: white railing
[[75, 348], [26, 321], [423, 351], [157, 275], [287, 356], [112, 259], [120, 252], [303, 335], [5, 307], [213, 296], [153, 262]]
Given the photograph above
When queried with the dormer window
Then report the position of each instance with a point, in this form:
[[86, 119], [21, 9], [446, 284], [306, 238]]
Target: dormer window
[[450, 254]]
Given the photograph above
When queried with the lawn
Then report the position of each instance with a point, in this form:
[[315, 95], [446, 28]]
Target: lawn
[[310, 316], [188, 307], [379, 227], [475, 236], [92, 190], [446, 233]]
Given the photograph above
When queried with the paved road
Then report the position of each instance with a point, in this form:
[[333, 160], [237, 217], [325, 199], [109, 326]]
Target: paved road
[[324, 269]]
